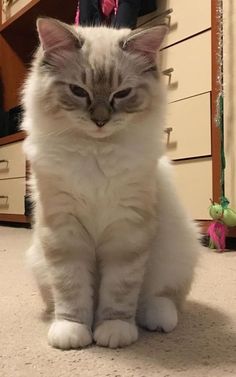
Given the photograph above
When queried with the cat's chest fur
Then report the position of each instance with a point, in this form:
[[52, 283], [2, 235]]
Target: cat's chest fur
[[99, 184]]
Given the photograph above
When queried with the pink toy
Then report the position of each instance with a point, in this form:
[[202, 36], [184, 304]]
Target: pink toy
[[108, 6], [217, 232], [223, 217]]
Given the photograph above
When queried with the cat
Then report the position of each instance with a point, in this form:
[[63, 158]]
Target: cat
[[113, 248]]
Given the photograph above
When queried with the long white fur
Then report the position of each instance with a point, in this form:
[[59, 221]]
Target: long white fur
[[107, 179]]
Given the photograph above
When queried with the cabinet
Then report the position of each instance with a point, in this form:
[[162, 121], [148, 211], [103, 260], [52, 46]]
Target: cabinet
[[188, 61], [187, 18], [13, 179], [195, 129]]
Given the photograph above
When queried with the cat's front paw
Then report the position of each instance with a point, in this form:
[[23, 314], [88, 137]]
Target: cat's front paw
[[160, 314], [115, 333], [67, 335]]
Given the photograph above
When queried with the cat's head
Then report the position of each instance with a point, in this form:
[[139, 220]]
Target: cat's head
[[99, 79]]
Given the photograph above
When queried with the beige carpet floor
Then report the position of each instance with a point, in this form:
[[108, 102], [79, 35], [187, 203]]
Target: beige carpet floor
[[204, 344]]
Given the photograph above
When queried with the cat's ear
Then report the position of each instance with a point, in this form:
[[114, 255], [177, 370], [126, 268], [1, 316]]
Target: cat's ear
[[57, 39], [145, 42]]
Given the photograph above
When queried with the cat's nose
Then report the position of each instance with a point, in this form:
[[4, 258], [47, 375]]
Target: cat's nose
[[100, 113], [100, 123]]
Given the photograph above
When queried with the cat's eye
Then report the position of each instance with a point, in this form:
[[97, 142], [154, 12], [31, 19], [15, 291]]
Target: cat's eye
[[78, 91], [151, 69], [122, 93]]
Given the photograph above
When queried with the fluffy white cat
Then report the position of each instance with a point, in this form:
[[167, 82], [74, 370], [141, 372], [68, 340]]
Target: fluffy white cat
[[112, 246]]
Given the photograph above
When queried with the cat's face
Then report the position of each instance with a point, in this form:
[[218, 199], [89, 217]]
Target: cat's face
[[102, 80]]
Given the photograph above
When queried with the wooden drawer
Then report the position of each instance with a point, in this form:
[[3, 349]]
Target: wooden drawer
[[10, 8], [191, 64], [12, 196], [194, 185], [188, 18], [12, 161], [190, 121]]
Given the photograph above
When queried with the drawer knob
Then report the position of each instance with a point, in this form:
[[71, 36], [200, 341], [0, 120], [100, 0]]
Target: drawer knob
[[168, 130], [168, 72], [5, 166], [4, 203]]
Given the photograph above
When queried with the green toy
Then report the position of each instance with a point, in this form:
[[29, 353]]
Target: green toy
[[223, 213], [223, 217]]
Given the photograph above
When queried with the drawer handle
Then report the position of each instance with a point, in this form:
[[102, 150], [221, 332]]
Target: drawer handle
[[168, 130], [5, 162], [5, 203], [165, 13], [168, 72]]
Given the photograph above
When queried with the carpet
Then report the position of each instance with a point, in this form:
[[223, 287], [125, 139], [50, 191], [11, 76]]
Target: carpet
[[203, 344]]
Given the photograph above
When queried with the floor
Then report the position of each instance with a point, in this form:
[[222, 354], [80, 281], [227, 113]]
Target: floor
[[204, 344]]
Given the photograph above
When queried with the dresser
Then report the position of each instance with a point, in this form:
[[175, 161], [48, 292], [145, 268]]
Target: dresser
[[12, 179], [186, 62]]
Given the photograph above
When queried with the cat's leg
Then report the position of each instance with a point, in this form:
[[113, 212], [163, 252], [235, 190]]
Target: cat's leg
[[70, 257], [122, 264], [37, 262], [168, 277], [166, 284], [171, 263]]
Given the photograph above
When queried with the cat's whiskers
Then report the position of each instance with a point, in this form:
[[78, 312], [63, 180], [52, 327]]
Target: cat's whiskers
[[58, 133]]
